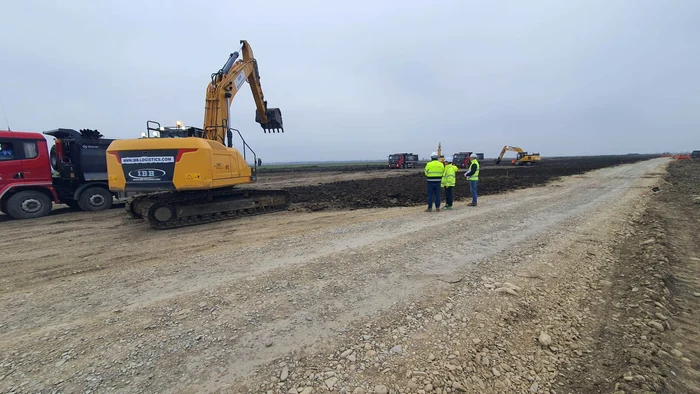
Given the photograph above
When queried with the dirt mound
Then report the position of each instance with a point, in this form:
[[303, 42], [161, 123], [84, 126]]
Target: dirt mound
[[410, 190]]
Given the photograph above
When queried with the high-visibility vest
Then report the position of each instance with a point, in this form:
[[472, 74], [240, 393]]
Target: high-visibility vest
[[449, 180], [475, 175], [434, 171]]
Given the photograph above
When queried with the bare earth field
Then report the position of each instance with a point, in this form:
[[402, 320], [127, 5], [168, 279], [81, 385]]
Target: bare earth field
[[584, 284]]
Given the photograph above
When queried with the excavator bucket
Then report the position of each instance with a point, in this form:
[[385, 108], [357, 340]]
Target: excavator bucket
[[274, 121]]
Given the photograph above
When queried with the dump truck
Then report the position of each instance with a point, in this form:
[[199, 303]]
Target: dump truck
[[29, 187], [403, 160], [461, 159]]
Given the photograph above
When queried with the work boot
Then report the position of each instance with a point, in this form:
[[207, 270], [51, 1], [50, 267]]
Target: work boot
[[471, 204], [437, 209], [429, 210]]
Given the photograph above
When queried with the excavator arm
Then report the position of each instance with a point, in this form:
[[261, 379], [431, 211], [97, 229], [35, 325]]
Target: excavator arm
[[500, 157], [223, 87], [269, 118]]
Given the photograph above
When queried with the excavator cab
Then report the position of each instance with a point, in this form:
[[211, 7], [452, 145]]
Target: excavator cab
[[155, 130]]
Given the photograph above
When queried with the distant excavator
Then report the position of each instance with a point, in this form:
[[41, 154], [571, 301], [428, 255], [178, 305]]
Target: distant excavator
[[441, 158], [186, 175], [523, 157]]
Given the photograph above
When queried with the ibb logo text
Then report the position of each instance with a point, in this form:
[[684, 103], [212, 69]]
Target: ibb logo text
[[146, 173]]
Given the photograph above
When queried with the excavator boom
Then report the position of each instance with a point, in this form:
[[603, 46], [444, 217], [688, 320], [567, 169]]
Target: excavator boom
[[441, 158], [223, 87]]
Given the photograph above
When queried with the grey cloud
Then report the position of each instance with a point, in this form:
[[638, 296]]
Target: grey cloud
[[363, 79]]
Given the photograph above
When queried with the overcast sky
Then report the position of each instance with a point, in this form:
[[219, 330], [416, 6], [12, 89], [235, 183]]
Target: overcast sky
[[362, 79]]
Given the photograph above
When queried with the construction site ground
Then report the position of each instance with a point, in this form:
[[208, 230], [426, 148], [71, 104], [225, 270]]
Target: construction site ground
[[565, 279]]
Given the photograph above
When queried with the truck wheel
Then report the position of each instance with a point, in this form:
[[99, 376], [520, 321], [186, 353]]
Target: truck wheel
[[53, 156], [95, 199], [28, 204]]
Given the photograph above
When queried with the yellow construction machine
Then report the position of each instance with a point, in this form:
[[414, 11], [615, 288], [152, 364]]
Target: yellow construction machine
[[186, 175], [441, 158], [523, 157]]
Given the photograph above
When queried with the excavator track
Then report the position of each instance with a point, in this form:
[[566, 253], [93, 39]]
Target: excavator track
[[168, 210]]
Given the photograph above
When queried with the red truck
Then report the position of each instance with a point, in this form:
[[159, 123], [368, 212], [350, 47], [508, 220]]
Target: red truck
[[29, 187], [403, 160], [462, 160]]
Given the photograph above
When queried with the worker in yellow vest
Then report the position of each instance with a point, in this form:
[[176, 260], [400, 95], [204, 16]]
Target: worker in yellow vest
[[472, 176], [448, 182], [434, 171]]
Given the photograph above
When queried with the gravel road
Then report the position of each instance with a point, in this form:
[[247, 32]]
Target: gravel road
[[100, 303]]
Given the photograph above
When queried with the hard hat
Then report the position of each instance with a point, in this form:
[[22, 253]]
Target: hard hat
[[433, 155], [473, 156], [448, 159]]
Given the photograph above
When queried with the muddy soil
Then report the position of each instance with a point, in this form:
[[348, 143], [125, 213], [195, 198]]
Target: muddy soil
[[556, 161], [281, 180], [410, 189]]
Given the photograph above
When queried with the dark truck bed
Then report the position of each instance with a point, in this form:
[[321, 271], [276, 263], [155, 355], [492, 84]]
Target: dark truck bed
[[80, 173]]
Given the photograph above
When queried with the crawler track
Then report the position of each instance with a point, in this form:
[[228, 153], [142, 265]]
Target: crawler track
[[169, 210]]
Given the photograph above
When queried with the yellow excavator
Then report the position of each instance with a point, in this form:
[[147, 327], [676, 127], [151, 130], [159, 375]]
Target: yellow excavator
[[186, 175], [523, 157], [441, 158]]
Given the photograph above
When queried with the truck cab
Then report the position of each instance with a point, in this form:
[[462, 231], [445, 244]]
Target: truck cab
[[461, 159], [396, 160], [26, 187]]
